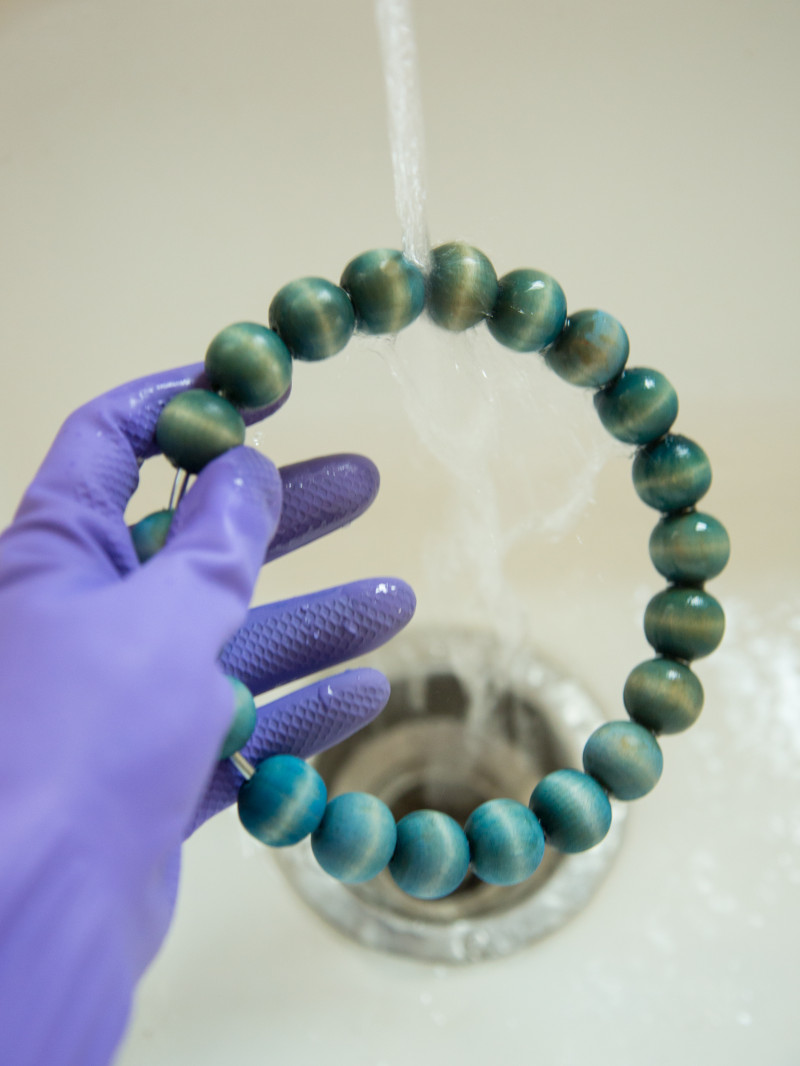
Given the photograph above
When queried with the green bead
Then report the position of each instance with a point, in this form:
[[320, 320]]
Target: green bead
[[244, 722], [283, 801], [529, 311], [689, 548], [573, 810], [663, 695], [462, 286], [506, 842], [249, 365], [671, 474], [387, 291], [684, 623], [639, 407], [432, 855], [195, 427], [591, 350], [625, 758], [150, 534], [314, 317], [355, 839]]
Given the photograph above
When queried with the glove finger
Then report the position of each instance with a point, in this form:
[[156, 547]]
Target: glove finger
[[321, 495], [91, 471], [281, 642], [202, 579], [303, 723]]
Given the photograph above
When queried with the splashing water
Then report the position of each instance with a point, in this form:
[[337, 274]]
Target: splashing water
[[399, 55], [486, 416], [483, 413]]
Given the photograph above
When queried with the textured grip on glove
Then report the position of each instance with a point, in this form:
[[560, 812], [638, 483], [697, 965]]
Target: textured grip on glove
[[283, 641]]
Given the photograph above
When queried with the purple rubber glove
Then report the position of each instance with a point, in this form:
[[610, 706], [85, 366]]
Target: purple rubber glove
[[113, 702]]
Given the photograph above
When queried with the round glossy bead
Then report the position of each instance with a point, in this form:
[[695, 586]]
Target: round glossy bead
[[663, 695], [691, 547], [505, 840], [432, 855], [244, 719], [149, 535], [529, 311], [249, 365], [462, 286], [283, 801], [387, 291], [573, 810], [639, 407], [625, 758], [671, 474], [356, 838], [195, 427], [591, 350], [684, 623], [314, 318]]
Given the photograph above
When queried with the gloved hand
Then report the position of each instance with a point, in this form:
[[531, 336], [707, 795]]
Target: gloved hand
[[113, 703]]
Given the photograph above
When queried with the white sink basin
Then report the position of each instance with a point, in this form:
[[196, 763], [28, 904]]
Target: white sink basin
[[167, 166]]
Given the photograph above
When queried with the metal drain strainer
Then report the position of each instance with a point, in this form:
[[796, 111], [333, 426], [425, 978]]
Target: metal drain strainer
[[468, 720]]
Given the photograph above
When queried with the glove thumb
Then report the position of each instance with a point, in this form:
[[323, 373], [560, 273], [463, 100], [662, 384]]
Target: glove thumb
[[205, 574]]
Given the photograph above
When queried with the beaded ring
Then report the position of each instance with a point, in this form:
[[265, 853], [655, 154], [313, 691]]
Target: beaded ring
[[354, 836]]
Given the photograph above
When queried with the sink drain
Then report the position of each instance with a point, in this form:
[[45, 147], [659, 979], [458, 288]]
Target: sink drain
[[467, 721]]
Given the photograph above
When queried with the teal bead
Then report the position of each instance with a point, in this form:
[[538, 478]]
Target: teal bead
[[684, 623], [625, 758], [663, 695], [529, 311], [249, 365], [283, 801], [387, 291], [506, 842], [195, 427], [462, 286], [591, 350], [432, 855], [639, 407], [356, 838], [573, 810], [671, 474], [314, 317], [149, 535], [244, 722], [689, 548]]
